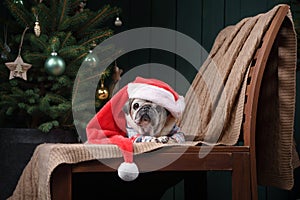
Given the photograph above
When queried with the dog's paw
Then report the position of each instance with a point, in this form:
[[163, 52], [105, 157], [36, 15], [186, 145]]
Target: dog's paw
[[162, 139], [146, 139]]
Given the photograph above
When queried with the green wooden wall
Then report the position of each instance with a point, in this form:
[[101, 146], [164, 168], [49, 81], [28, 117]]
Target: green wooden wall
[[201, 20]]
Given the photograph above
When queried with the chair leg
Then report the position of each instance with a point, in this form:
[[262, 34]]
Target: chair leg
[[61, 183], [254, 191], [241, 177]]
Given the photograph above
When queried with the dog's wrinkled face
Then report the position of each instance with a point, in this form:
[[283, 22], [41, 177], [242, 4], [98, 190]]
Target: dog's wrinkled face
[[146, 117]]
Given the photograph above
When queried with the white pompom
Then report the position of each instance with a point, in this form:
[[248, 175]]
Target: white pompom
[[128, 171]]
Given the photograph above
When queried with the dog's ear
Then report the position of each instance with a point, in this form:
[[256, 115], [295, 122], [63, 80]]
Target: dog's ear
[[126, 107]]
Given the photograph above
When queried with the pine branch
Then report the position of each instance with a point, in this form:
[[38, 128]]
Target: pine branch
[[63, 11], [54, 44], [102, 15], [54, 16], [57, 110], [75, 3], [62, 82], [74, 21], [19, 13], [53, 98], [79, 58], [34, 57], [32, 110], [44, 104], [1, 45], [9, 100], [47, 126], [44, 17], [68, 40], [10, 110], [44, 100], [67, 118], [3, 87], [97, 37], [72, 52], [40, 43]]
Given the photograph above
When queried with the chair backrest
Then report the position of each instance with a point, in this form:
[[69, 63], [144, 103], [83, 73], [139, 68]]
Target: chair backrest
[[256, 74]]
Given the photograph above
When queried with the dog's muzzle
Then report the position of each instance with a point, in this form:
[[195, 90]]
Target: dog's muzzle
[[145, 118], [144, 115]]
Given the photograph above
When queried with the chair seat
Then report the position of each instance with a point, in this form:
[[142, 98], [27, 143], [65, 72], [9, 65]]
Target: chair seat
[[219, 158]]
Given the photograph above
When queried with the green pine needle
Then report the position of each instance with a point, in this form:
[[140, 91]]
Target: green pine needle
[[18, 11], [44, 100], [46, 127]]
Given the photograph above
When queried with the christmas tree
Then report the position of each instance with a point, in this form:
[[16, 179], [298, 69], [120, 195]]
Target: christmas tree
[[44, 44]]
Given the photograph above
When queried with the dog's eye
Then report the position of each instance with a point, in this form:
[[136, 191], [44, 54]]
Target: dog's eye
[[136, 106]]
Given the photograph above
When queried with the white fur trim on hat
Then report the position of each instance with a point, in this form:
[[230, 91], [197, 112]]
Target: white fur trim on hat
[[128, 171], [157, 95]]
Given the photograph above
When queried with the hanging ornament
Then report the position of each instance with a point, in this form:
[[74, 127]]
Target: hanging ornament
[[94, 44], [91, 59], [5, 45], [118, 22], [3, 55], [18, 2], [55, 65], [18, 68], [37, 27], [81, 6], [102, 92]]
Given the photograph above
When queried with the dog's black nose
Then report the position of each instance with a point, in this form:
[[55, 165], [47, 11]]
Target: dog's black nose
[[146, 107]]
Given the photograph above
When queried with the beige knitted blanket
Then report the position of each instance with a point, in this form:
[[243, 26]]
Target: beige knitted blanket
[[214, 110], [34, 183], [215, 101]]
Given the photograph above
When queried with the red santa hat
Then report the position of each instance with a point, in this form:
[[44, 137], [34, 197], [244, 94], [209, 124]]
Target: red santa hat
[[108, 126]]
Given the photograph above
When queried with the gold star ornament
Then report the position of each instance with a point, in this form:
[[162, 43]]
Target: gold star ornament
[[18, 68]]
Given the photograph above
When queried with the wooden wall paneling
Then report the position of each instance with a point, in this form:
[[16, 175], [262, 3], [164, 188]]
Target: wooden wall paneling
[[189, 22], [219, 185], [213, 21], [189, 18], [232, 12], [179, 191], [251, 8], [272, 3], [139, 16], [163, 15]]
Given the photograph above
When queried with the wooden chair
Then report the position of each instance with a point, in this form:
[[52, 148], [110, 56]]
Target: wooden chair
[[240, 160]]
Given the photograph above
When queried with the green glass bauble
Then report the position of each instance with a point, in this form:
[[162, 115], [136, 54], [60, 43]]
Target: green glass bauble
[[55, 65], [90, 60]]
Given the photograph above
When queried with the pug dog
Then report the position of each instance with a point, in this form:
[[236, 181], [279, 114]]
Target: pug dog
[[150, 122]]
